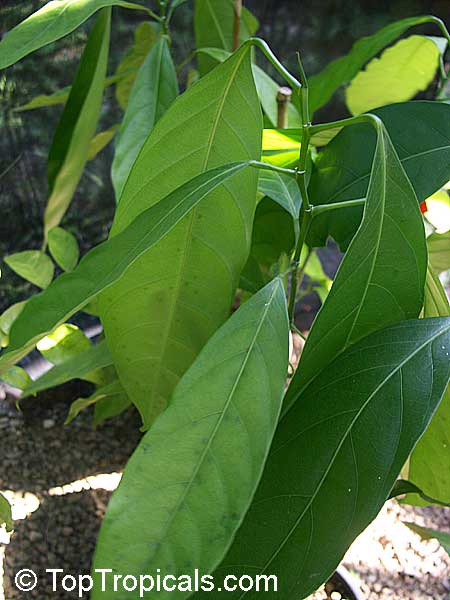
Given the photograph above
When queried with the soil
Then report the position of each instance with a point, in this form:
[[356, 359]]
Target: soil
[[60, 478]]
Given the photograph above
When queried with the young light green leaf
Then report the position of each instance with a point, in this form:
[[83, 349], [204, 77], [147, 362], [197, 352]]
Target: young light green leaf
[[154, 90], [171, 307], [76, 128], [420, 133], [429, 463], [342, 70], [381, 279], [443, 537], [52, 22], [330, 450], [63, 343], [5, 513], [439, 251], [64, 248], [106, 263], [399, 74], [213, 23], [79, 366], [218, 429], [101, 140], [145, 36], [109, 391], [32, 265]]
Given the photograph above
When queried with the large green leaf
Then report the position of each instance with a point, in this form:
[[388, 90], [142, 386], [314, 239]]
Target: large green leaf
[[154, 90], [187, 487], [52, 22], [439, 251], [429, 464], [159, 316], [213, 23], [381, 279], [399, 74], [106, 263], [342, 70], [78, 366], [337, 453], [32, 265], [76, 128], [420, 133], [145, 36]]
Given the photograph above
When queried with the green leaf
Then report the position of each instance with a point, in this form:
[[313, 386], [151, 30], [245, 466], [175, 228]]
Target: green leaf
[[77, 366], [429, 464], [273, 235], [61, 96], [267, 89], [154, 90], [17, 378], [10, 315], [63, 343], [145, 36], [183, 288], [5, 513], [213, 23], [425, 533], [52, 22], [420, 133], [101, 140], [109, 391], [32, 265], [283, 189], [403, 486], [208, 448], [64, 248], [399, 74], [341, 445], [381, 279], [439, 251], [344, 69], [78, 122], [106, 263], [109, 407]]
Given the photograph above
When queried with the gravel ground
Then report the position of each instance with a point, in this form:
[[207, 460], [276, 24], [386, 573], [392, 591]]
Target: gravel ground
[[60, 479]]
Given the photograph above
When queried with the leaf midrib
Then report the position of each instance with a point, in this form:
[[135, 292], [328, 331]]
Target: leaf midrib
[[344, 437]]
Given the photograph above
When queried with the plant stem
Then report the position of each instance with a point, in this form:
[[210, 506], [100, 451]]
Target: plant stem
[[297, 273], [283, 98], [237, 23], [268, 167], [265, 49], [365, 118], [321, 208]]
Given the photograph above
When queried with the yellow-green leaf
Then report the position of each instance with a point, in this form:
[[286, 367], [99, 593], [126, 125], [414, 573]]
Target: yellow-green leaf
[[399, 74]]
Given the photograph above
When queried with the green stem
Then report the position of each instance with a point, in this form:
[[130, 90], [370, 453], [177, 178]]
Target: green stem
[[298, 332], [268, 167], [365, 118], [321, 208], [297, 272], [265, 49]]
